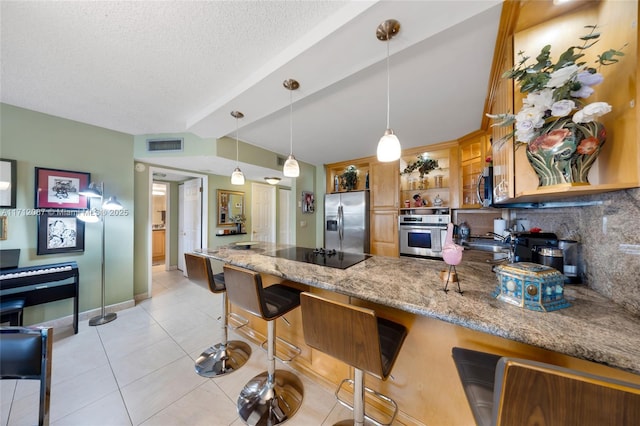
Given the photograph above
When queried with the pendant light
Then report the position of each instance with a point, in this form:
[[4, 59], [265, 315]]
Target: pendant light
[[389, 146], [291, 167], [237, 178]]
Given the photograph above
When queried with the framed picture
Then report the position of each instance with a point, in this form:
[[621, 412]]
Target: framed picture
[[3, 227], [60, 189], [308, 202], [8, 183], [59, 232]]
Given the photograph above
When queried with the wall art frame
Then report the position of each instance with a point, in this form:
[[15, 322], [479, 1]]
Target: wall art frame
[[60, 189], [8, 183], [308, 202], [59, 232], [3, 227]]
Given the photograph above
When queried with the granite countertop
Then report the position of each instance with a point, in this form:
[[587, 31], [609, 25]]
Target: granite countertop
[[593, 328]]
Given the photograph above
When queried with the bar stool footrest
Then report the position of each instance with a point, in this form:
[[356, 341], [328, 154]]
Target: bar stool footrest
[[291, 352], [236, 321], [382, 400]]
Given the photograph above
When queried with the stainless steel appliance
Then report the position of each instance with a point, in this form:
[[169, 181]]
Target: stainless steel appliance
[[346, 222], [422, 235]]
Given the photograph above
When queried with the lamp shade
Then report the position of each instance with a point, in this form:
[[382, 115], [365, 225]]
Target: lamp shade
[[92, 191], [88, 216], [389, 147], [237, 178], [291, 167], [112, 204]]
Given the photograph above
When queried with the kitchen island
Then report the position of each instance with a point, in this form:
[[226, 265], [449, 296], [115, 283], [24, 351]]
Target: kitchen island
[[593, 334]]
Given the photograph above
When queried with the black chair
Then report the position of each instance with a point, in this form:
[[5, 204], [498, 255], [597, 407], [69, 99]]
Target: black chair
[[11, 311], [227, 356], [273, 396], [25, 353], [355, 336], [513, 391]]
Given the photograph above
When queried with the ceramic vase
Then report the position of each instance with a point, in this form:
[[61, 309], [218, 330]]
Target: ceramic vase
[[565, 152]]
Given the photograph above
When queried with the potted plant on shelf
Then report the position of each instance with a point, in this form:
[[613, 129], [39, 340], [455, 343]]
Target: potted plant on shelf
[[423, 165], [349, 179]]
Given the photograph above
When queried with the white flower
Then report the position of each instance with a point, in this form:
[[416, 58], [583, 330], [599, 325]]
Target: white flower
[[562, 107], [534, 116], [590, 112], [589, 79], [560, 77], [583, 92], [541, 100]]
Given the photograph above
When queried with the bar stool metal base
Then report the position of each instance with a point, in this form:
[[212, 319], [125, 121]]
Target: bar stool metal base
[[221, 359], [264, 403]]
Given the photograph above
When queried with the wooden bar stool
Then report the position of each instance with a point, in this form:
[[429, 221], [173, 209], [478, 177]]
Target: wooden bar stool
[[512, 391], [227, 356], [356, 336], [273, 396]]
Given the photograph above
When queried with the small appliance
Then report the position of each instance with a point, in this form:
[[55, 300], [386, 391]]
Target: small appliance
[[527, 243]]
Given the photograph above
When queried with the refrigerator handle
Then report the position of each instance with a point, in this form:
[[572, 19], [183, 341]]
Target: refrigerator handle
[[340, 223]]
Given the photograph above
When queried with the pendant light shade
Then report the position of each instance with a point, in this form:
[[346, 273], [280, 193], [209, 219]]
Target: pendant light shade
[[389, 146], [291, 167], [237, 178]]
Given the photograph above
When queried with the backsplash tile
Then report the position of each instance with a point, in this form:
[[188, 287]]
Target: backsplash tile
[[610, 241]]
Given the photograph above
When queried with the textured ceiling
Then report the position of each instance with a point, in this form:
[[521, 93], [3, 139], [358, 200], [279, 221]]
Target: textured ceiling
[[144, 67]]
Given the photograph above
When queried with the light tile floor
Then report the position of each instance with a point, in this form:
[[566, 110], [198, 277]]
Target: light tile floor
[[139, 369]]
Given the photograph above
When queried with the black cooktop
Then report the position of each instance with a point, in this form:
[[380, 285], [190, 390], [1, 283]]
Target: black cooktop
[[322, 257]]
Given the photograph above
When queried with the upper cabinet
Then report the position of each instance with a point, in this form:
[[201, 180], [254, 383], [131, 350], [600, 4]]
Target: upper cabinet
[[336, 171], [385, 183], [475, 150], [430, 172], [529, 26]]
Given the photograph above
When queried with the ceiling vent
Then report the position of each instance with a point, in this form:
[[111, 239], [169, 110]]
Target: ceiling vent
[[165, 145]]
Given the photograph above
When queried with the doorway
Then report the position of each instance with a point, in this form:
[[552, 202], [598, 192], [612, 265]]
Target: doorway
[[158, 223], [174, 179]]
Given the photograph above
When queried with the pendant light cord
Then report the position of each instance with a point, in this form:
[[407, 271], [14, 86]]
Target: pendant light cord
[[291, 121], [388, 83], [237, 151]]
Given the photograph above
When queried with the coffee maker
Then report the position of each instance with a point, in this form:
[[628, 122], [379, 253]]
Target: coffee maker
[[527, 244]]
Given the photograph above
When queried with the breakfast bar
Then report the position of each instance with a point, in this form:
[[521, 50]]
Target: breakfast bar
[[593, 334]]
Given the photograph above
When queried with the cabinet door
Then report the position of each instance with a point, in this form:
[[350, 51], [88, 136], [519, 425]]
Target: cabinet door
[[384, 233], [384, 185], [158, 244], [473, 151]]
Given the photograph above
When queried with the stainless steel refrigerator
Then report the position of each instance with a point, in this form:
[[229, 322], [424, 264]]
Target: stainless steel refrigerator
[[346, 221]]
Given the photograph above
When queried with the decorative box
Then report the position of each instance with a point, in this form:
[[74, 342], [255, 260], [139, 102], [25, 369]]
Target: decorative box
[[531, 286]]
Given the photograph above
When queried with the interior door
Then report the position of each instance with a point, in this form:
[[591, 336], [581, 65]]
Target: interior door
[[191, 234], [284, 216], [263, 213]]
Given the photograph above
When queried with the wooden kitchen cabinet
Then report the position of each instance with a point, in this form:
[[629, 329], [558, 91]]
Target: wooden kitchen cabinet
[[158, 245], [336, 169], [473, 149], [618, 166], [443, 181], [384, 239], [384, 179]]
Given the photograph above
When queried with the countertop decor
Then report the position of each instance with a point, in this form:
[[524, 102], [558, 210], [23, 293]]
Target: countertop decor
[[594, 328], [562, 135]]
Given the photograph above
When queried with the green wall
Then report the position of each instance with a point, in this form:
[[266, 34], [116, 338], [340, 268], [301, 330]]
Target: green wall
[[40, 140]]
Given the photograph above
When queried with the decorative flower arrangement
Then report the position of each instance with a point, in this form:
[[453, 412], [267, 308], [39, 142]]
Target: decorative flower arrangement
[[424, 165], [558, 126], [239, 218]]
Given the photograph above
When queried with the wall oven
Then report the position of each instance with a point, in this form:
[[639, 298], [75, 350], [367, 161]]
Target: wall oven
[[422, 235]]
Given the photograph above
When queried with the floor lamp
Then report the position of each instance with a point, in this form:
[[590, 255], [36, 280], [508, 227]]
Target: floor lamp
[[97, 191]]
